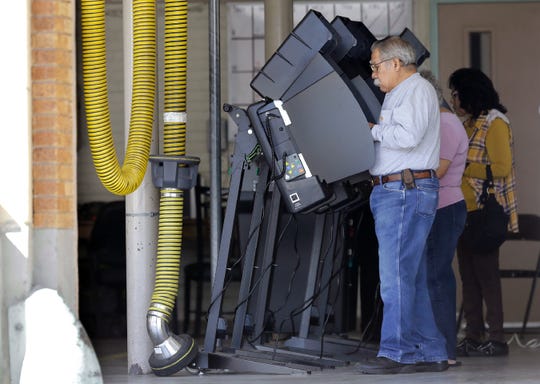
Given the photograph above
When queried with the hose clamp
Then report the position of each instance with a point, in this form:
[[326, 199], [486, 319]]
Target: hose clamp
[[175, 117], [173, 193]]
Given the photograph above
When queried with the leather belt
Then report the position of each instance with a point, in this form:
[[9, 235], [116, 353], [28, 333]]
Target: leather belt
[[422, 174]]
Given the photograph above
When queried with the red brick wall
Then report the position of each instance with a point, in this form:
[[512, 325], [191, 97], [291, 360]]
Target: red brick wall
[[53, 113]]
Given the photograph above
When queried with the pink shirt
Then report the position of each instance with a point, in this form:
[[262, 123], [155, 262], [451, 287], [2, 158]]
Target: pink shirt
[[454, 146]]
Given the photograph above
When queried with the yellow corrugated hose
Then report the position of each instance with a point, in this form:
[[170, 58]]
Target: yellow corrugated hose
[[126, 179], [171, 352], [174, 136], [171, 202]]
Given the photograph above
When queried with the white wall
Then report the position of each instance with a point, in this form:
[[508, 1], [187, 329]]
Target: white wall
[[15, 168]]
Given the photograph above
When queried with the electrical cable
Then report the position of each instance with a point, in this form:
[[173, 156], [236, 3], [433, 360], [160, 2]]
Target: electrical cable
[[531, 344], [291, 280], [308, 302], [242, 256], [253, 288], [255, 152], [226, 285], [378, 303], [328, 316], [250, 341], [270, 141], [375, 314], [296, 267], [257, 282], [338, 290]]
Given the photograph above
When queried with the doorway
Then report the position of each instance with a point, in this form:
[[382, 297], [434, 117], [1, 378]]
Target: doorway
[[502, 39]]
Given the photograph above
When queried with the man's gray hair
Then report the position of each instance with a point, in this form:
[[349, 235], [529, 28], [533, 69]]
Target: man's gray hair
[[395, 46]]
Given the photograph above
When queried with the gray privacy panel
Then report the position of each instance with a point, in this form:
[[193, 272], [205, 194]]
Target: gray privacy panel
[[330, 129]]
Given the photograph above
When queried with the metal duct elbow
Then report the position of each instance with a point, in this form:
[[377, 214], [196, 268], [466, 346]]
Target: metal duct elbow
[[171, 352], [157, 326]]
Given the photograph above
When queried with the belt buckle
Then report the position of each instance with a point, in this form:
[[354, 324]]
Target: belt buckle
[[408, 178]]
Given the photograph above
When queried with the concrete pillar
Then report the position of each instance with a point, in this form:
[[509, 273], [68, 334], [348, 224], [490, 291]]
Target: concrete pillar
[[142, 208], [421, 26], [141, 249], [278, 24]]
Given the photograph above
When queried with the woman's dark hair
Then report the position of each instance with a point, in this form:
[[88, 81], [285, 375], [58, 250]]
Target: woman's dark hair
[[475, 91]]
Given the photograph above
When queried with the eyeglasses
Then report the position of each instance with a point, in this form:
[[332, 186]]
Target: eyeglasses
[[375, 67]]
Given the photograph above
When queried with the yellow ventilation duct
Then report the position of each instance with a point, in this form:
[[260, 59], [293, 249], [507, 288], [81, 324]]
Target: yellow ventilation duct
[[171, 352], [126, 179]]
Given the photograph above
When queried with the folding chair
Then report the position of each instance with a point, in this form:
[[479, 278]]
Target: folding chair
[[529, 230]]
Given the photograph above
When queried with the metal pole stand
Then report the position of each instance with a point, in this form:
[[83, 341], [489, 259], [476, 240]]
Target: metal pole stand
[[255, 357]]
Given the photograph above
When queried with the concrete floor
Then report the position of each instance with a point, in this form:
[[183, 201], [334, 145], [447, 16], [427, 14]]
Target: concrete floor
[[521, 366]]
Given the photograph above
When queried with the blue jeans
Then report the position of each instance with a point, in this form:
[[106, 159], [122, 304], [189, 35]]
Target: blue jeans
[[441, 247], [403, 219]]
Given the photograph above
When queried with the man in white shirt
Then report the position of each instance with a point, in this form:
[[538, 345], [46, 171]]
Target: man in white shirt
[[404, 201]]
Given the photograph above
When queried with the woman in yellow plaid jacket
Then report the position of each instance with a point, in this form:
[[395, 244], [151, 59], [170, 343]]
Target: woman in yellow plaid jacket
[[490, 142]]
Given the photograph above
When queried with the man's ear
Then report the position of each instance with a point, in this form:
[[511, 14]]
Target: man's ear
[[396, 64]]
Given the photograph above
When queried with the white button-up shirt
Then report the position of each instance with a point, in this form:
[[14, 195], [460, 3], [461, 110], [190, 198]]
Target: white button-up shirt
[[407, 134]]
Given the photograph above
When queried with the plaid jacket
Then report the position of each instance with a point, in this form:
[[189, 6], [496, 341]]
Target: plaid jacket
[[505, 188]]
